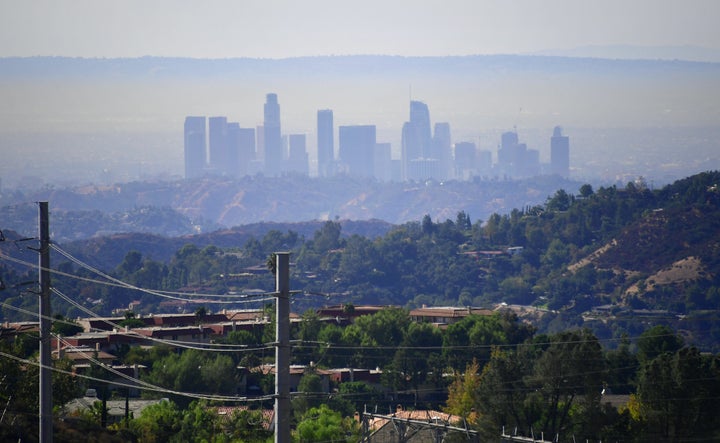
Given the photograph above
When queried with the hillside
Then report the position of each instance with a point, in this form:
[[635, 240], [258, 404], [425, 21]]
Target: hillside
[[616, 260], [108, 251], [669, 248], [185, 207]]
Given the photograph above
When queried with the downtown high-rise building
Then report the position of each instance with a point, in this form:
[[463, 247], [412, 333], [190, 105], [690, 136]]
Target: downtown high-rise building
[[515, 159], [195, 146], [219, 150], [325, 143], [357, 149], [297, 160], [417, 143], [559, 153], [465, 160], [272, 139], [241, 148]]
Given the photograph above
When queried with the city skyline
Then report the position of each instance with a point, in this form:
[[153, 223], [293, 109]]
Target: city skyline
[[78, 121], [425, 154], [110, 111]]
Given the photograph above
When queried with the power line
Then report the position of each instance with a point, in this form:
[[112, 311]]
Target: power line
[[237, 298], [216, 347], [165, 294], [227, 398]]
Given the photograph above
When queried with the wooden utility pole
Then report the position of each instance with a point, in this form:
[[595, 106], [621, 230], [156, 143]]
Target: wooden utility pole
[[46, 419], [282, 347]]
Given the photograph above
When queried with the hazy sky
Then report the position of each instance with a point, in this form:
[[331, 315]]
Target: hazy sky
[[288, 28]]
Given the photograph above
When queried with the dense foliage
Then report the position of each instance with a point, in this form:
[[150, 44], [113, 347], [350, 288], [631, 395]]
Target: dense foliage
[[587, 265], [531, 256], [491, 370]]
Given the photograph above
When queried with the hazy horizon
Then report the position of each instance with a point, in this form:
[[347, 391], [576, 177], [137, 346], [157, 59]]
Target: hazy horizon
[[73, 119], [280, 29]]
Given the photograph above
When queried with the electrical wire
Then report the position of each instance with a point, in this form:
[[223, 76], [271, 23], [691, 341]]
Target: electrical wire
[[37, 315], [214, 347], [234, 298], [165, 294], [225, 398]]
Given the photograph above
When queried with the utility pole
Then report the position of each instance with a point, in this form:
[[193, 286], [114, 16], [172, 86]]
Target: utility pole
[[282, 348], [46, 419]]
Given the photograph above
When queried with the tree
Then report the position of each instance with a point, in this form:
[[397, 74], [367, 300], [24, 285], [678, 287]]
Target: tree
[[678, 393], [463, 222], [385, 328], [327, 237], [246, 425], [195, 371], [310, 393], [586, 190], [463, 394], [199, 423], [415, 356], [569, 371], [131, 264], [504, 391], [559, 202], [359, 394], [158, 423], [473, 336], [622, 365], [324, 424], [656, 341]]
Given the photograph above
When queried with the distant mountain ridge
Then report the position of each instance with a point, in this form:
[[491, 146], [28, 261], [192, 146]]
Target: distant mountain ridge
[[185, 207], [630, 52]]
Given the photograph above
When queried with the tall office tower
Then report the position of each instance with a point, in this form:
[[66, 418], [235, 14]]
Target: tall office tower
[[531, 163], [506, 155], [559, 153], [325, 143], [484, 162], [357, 149], [241, 144], [195, 147], [416, 137], [219, 148], [272, 136], [420, 117], [297, 154], [513, 157], [260, 143], [465, 160], [442, 149], [232, 139]]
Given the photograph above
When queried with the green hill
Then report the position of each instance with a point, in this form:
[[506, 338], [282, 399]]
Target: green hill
[[616, 260]]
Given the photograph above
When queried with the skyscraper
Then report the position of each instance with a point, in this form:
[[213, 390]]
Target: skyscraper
[[195, 147], [241, 147], [515, 159], [297, 154], [325, 143], [559, 153], [465, 160], [219, 149], [272, 136], [416, 137], [357, 149]]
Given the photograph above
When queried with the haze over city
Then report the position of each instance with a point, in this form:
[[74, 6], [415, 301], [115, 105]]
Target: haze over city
[[483, 67]]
